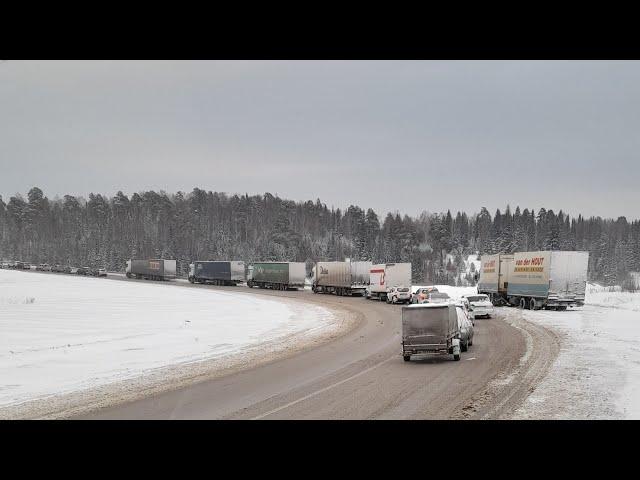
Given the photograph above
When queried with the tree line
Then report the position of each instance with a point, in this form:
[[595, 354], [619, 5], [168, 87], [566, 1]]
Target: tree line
[[205, 225]]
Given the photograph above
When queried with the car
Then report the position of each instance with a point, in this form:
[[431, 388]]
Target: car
[[436, 297], [464, 303], [465, 327], [480, 305], [102, 272], [421, 294], [72, 270], [26, 266], [399, 295], [82, 270]]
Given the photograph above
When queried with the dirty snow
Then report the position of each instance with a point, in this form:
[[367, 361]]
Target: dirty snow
[[597, 373], [60, 334]]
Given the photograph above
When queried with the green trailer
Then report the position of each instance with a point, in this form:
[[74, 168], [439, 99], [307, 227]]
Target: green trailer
[[277, 275]]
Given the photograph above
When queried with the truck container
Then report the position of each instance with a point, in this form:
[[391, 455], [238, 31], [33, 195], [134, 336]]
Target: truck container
[[386, 275], [430, 328], [277, 275], [548, 279], [154, 269], [494, 276], [341, 278], [217, 272]]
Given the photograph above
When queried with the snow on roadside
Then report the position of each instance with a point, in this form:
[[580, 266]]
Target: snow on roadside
[[597, 373], [60, 334], [612, 297]]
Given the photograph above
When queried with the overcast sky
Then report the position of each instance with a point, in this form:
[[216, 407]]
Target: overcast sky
[[406, 136]]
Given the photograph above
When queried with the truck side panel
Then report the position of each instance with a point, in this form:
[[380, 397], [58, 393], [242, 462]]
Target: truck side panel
[[333, 274], [489, 274], [529, 275]]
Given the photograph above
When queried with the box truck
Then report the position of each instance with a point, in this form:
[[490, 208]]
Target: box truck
[[494, 276], [217, 272], [277, 275], [341, 278], [548, 279], [155, 269], [384, 276]]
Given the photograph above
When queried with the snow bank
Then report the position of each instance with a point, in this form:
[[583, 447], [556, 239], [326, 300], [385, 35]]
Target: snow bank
[[61, 334], [612, 297], [597, 373]]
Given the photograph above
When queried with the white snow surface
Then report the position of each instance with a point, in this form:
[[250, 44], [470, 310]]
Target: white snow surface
[[597, 373], [60, 334]]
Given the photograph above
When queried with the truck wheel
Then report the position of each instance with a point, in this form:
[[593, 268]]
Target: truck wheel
[[532, 304], [456, 357], [464, 346], [523, 303], [406, 358]]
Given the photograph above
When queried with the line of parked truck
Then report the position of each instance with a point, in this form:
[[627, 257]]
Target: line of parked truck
[[57, 268], [432, 324]]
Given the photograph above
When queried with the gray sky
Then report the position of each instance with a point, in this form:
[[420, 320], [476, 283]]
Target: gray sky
[[407, 136]]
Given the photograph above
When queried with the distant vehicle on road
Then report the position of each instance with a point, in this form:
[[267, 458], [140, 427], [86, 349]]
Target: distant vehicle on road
[[277, 275], [73, 270], [342, 278], [82, 271], [430, 328], [217, 272], [155, 269], [384, 276], [57, 268], [422, 293], [479, 305], [399, 295], [436, 297], [466, 329], [102, 272]]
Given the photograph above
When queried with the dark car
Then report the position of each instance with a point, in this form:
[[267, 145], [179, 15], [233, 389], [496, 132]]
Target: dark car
[[82, 271]]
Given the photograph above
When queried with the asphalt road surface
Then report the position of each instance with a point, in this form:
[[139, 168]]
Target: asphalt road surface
[[362, 375]]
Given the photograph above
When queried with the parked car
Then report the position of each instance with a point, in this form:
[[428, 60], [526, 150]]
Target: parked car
[[421, 294], [480, 305], [466, 329], [436, 297], [464, 303], [73, 270], [82, 271], [399, 295], [102, 272]]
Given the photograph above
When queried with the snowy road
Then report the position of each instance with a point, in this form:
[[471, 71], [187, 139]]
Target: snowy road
[[62, 333]]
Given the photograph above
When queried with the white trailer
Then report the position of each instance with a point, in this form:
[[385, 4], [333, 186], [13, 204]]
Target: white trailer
[[341, 278], [384, 276], [495, 271], [548, 279]]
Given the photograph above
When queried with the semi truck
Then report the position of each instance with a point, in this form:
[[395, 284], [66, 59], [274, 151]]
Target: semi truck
[[494, 277], [430, 328], [154, 269], [277, 275], [384, 276], [217, 272], [341, 278], [553, 280]]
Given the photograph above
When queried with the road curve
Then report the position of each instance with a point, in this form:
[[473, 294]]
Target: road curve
[[362, 375]]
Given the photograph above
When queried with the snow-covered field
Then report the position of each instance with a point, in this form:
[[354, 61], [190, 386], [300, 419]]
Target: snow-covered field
[[60, 334], [597, 373]]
